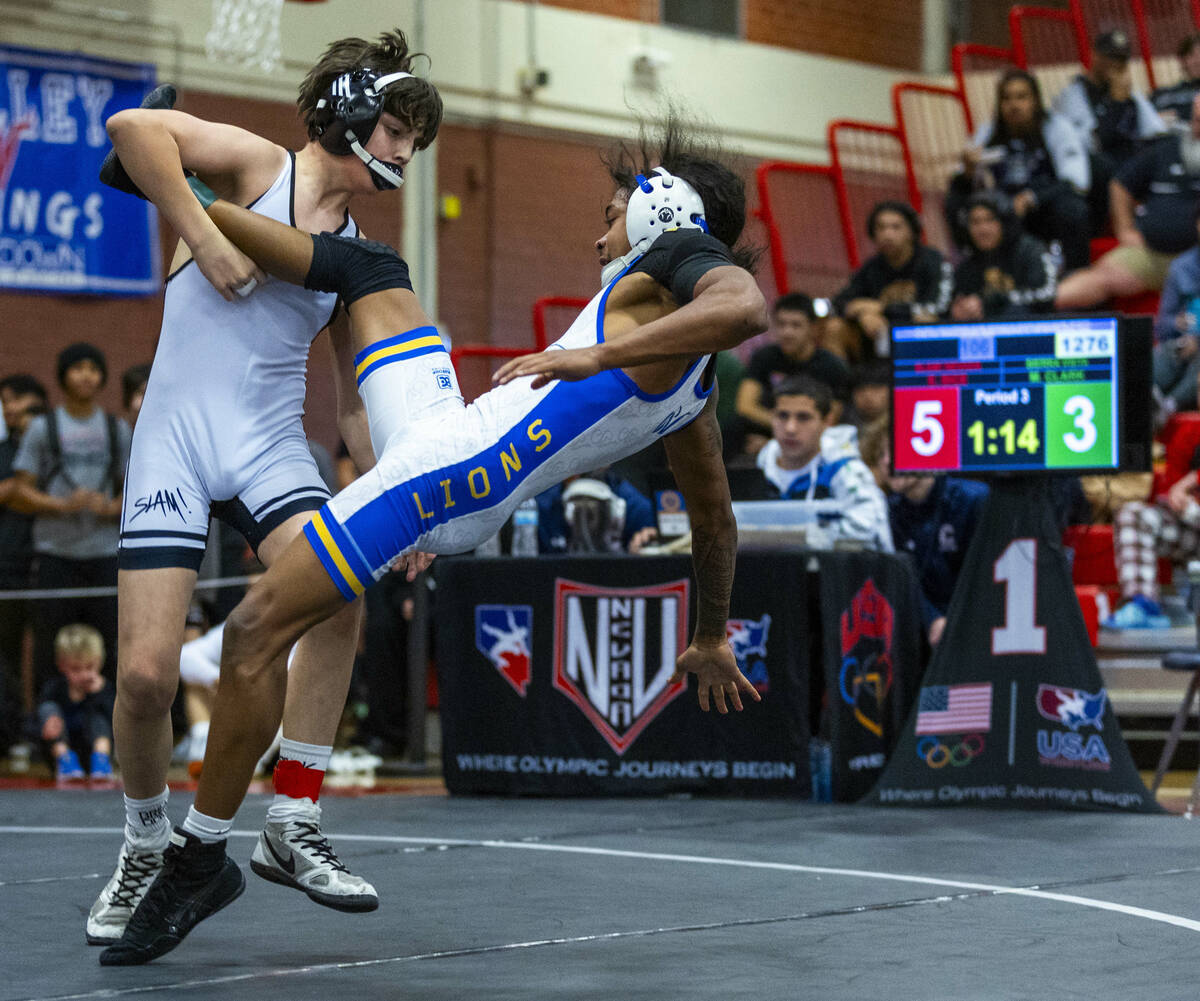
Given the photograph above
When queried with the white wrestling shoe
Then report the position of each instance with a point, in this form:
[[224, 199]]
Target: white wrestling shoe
[[295, 853], [121, 895]]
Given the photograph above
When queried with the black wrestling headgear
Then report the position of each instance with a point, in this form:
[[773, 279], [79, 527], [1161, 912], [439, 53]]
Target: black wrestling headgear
[[347, 114]]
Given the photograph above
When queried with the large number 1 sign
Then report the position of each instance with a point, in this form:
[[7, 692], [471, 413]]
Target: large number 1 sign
[[1016, 569]]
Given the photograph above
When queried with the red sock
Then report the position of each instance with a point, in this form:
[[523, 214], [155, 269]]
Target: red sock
[[294, 780]]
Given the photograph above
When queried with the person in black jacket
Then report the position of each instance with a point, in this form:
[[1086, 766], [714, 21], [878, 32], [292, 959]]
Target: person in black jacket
[[905, 282], [1007, 274], [1036, 158], [1174, 103]]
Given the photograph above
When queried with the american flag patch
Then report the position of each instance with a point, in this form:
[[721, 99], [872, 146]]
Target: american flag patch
[[955, 709]]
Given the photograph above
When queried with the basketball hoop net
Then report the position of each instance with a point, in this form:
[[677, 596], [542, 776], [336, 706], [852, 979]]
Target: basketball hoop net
[[245, 33]]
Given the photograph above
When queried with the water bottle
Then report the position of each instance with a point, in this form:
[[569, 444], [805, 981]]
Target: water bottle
[[525, 529]]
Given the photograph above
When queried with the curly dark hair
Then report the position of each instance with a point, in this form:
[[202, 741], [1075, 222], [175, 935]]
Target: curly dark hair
[[699, 159], [415, 102]]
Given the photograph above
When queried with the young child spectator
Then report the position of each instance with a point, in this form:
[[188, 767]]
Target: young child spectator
[[1034, 157], [70, 468], [1174, 103], [1113, 120], [932, 519], [1153, 200], [1177, 332], [871, 395], [23, 398], [76, 706], [905, 282], [805, 460], [1006, 274], [597, 513], [795, 352]]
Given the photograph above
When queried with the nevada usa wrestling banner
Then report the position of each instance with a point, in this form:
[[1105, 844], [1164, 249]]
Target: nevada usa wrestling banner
[[1012, 711], [61, 230], [554, 678]]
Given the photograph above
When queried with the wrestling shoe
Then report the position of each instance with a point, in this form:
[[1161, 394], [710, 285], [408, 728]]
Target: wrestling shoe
[[196, 881], [295, 853], [121, 894], [1139, 612]]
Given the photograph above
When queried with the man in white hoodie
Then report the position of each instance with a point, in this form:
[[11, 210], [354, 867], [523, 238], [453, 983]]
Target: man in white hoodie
[[809, 459]]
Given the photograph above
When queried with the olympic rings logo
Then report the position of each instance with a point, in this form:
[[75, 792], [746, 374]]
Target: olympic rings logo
[[935, 754]]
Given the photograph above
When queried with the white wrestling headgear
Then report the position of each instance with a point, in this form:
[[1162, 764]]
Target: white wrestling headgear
[[347, 114], [657, 205]]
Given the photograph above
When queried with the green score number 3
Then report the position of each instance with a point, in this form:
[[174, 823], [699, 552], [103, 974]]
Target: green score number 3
[[1081, 433]]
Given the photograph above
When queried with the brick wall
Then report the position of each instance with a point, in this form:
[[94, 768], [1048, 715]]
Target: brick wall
[[889, 36]]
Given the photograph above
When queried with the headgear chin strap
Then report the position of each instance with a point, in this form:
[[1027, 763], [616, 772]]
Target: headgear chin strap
[[657, 205], [346, 116]]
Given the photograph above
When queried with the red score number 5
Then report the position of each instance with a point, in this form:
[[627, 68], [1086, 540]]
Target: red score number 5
[[926, 429]]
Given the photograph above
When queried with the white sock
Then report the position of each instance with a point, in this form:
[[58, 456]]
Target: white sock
[[207, 829], [314, 756], [146, 825]]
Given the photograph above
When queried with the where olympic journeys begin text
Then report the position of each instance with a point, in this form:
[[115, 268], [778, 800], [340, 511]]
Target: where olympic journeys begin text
[[983, 794], [604, 768]]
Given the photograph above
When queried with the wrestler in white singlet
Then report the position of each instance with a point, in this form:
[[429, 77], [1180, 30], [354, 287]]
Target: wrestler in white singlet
[[220, 429]]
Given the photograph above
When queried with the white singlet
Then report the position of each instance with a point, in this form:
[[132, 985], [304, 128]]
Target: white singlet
[[220, 429]]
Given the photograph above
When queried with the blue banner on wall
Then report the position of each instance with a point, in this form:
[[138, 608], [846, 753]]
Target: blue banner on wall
[[61, 230]]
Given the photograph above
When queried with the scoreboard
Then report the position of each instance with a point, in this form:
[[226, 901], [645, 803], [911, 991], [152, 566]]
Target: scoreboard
[[1025, 396]]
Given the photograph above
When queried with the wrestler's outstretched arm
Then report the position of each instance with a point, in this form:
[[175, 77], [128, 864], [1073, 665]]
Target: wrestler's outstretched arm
[[282, 251]]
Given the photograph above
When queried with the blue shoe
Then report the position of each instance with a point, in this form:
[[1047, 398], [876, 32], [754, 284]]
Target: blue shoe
[[101, 766], [1139, 612], [67, 767]]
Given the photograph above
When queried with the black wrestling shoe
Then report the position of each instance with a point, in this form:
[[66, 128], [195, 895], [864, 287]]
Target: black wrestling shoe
[[196, 881], [112, 171]]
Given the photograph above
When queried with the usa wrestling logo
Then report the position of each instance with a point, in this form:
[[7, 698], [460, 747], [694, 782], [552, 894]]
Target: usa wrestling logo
[[615, 651], [748, 641], [504, 635]]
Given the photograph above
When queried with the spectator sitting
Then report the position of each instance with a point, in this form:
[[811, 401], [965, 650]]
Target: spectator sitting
[[905, 282], [808, 459], [1174, 103], [1144, 531], [794, 352], [933, 519], [1035, 158], [1165, 180], [597, 513], [729, 372], [871, 395], [1006, 274], [1177, 332], [1109, 117], [76, 706], [70, 469], [23, 398]]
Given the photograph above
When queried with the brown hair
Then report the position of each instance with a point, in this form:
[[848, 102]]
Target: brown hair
[[873, 441], [415, 102]]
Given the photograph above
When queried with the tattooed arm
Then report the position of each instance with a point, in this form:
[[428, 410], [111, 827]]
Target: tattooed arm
[[695, 456]]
